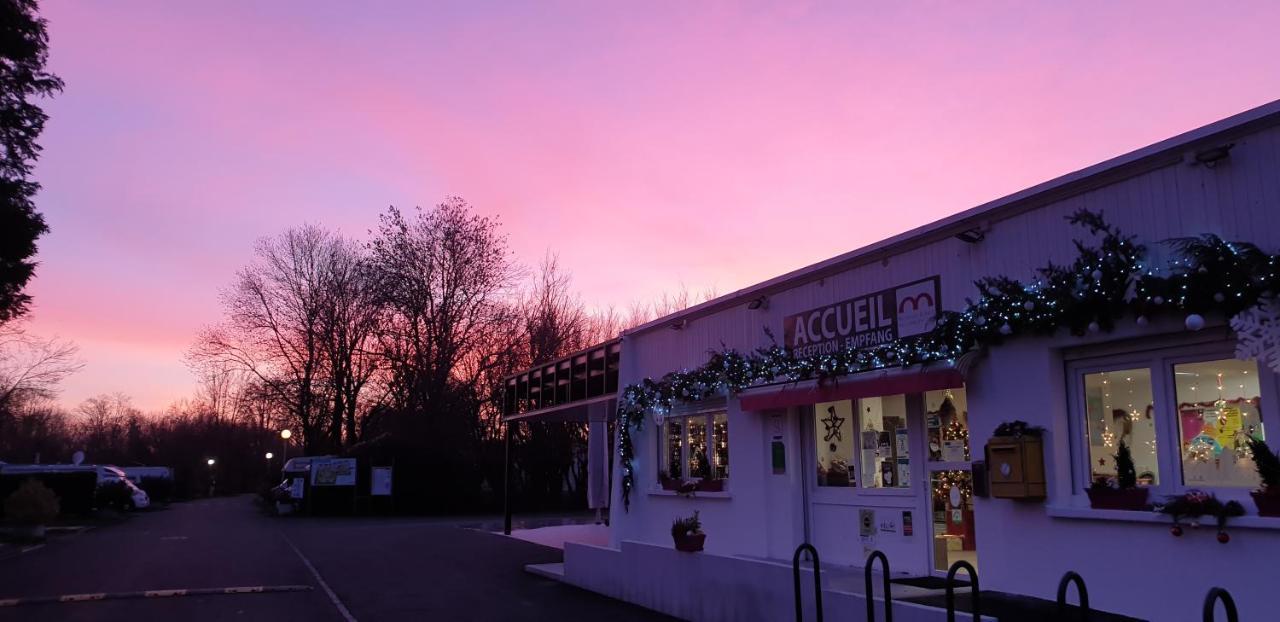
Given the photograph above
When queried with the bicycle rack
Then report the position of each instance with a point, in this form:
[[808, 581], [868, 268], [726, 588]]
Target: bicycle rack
[[888, 597], [1067, 579], [817, 580], [1228, 603], [973, 590]]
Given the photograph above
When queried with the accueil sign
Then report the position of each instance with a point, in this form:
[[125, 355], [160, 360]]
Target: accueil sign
[[866, 321]]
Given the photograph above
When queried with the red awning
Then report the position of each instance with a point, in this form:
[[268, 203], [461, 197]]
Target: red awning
[[868, 384]]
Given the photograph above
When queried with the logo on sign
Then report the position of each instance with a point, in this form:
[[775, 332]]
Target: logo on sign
[[865, 321]]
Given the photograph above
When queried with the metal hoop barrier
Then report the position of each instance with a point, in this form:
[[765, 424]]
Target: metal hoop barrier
[[1228, 603], [888, 597], [1067, 579], [973, 590], [817, 580]]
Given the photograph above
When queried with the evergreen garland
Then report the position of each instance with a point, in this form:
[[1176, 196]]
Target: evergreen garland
[[1101, 286]]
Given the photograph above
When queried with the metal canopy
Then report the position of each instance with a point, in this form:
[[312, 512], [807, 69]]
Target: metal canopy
[[562, 389]]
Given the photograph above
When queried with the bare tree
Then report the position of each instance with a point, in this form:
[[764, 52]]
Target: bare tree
[[274, 321], [441, 279], [32, 367], [348, 323]]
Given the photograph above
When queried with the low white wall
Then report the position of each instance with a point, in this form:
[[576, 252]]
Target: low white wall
[[705, 587]]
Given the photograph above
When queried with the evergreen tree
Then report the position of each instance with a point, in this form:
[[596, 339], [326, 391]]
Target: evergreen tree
[[1126, 474], [23, 51]]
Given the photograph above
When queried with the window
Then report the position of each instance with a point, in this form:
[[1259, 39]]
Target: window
[[884, 442], [1218, 411], [1120, 408], [947, 424], [834, 437], [695, 447], [1186, 415]]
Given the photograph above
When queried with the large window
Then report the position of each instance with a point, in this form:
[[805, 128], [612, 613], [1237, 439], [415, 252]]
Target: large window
[[946, 416], [884, 443], [1120, 409], [1185, 413], [695, 447]]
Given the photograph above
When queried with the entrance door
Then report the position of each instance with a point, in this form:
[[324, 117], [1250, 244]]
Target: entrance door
[[950, 479]]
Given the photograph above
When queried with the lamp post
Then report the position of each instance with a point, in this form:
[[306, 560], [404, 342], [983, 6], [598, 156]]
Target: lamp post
[[284, 446], [213, 478]]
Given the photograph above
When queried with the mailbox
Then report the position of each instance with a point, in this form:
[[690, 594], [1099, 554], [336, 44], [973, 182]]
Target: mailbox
[[1015, 467]]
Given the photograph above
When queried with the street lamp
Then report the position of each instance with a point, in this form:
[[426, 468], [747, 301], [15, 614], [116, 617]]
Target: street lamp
[[212, 461], [270, 455], [213, 479], [284, 444]]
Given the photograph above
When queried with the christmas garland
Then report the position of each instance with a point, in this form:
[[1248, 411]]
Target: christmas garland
[[1102, 285]]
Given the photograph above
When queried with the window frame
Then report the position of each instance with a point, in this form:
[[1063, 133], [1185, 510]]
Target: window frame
[[708, 415], [858, 494], [1160, 361]]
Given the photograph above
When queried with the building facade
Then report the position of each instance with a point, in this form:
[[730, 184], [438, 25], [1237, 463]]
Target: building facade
[[885, 460]]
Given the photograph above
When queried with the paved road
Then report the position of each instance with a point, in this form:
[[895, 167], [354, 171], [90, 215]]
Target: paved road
[[391, 569]]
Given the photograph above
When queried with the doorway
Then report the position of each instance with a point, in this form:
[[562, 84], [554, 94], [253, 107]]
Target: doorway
[[950, 479]]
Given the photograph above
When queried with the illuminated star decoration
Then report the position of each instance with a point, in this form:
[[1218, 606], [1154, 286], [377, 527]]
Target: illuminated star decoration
[[833, 423]]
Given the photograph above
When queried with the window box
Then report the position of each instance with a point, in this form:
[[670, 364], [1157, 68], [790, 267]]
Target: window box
[[670, 484], [1016, 467], [711, 485], [1268, 503], [1118, 498]]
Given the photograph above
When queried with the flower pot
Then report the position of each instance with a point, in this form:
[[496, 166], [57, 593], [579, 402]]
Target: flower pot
[[1268, 503], [670, 484], [1118, 498], [711, 485], [690, 542]]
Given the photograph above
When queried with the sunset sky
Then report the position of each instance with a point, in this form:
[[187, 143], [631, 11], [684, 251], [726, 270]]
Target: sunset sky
[[650, 144]]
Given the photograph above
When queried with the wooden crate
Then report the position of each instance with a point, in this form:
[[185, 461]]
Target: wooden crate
[[1015, 467]]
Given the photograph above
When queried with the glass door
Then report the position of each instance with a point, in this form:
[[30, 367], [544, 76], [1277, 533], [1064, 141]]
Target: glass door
[[950, 479]]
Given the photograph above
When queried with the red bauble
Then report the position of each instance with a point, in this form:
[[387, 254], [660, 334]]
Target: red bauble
[[1223, 537], [1176, 531]]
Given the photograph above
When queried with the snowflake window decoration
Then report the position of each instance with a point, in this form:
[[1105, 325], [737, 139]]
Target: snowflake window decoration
[[1258, 333]]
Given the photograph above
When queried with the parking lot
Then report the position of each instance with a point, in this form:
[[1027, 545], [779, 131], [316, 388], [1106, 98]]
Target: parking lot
[[338, 569]]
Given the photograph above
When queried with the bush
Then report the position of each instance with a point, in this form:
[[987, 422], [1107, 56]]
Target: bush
[[686, 526], [31, 504]]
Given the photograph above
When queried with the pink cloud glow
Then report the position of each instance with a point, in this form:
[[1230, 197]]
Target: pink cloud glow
[[649, 145]]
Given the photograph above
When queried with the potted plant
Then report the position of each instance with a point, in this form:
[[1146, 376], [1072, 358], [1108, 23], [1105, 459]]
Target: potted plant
[[1196, 503], [687, 534], [1122, 493], [30, 508], [1266, 498], [711, 485]]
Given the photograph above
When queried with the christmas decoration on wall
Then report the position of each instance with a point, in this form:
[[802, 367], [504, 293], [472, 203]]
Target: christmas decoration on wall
[[1195, 504], [1104, 283], [1258, 333]]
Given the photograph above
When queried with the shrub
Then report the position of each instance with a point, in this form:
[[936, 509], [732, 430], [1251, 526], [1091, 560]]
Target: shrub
[[684, 526], [31, 504]]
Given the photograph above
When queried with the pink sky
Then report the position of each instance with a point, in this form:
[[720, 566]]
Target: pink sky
[[649, 144]]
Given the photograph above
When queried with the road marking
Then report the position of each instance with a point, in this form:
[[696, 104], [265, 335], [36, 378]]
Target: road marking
[[33, 547], [337, 602], [173, 537], [208, 591]]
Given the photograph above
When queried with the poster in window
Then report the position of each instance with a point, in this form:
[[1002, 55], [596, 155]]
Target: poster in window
[[953, 450], [902, 445], [904, 471], [887, 474]]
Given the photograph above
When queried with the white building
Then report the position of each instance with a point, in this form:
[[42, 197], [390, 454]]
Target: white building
[[895, 448]]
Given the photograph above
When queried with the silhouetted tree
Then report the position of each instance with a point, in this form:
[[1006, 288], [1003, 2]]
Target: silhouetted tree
[[23, 51]]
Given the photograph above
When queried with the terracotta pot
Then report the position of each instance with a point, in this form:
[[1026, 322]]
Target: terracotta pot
[[690, 543], [1118, 499], [1268, 503], [670, 484], [711, 485]]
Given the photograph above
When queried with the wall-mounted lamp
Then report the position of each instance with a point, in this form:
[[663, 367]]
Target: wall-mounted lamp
[[1212, 156], [761, 303], [972, 236], [679, 324]]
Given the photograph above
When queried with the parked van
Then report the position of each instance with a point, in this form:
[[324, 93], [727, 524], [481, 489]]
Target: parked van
[[106, 475]]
